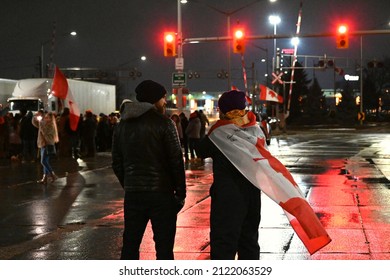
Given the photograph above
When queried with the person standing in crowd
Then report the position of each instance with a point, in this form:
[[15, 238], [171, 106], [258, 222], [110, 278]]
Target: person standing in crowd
[[75, 138], [148, 162], [184, 124], [235, 202], [15, 142], [177, 121], [28, 135], [88, 134], [113, 121], [65, 145], [47, 135], [102, 133], [193, 132], [203, 121]]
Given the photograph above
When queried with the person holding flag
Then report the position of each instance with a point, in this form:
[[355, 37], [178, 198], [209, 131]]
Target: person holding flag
[[242, 169], [60, 88]]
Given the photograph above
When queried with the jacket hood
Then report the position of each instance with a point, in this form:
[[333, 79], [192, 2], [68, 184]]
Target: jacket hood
[[133, 109]]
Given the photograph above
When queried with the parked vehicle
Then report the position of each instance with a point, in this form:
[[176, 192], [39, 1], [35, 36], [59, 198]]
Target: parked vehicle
[[6, 88], [35, 94]]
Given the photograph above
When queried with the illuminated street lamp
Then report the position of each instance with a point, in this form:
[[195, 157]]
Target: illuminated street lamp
[[295, 41], [275, 20]]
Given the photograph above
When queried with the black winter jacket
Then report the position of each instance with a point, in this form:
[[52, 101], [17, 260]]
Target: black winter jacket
[[146, 151]]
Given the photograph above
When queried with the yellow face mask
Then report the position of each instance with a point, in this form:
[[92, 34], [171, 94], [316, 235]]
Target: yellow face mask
[[238, 117]]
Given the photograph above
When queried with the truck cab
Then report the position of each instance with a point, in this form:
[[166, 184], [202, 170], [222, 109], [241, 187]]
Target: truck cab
[[32, 104]]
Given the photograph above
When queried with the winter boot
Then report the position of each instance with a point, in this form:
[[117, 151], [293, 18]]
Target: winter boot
[[53, 176], [43, 180]]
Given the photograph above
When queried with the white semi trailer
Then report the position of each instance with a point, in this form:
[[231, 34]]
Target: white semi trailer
[[35, 94]]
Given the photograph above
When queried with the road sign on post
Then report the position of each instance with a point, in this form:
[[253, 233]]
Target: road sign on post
[[179, 79], [361, 116], [179, 63], [277, 78]]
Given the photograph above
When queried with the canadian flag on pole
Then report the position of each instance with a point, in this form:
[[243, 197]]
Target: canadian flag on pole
[[60, 89], [269, 95]]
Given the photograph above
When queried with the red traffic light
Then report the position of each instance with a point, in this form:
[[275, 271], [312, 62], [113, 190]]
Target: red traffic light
[[238, 41], [169, 44], [169, 37], [239, 34], [342, 29], [342, 37]]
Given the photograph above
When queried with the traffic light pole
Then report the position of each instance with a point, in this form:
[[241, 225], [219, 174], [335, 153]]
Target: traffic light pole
[[360, 33], [179, 59], [284, 36]]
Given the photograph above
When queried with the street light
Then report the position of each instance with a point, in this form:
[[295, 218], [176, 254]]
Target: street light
[[275, 20]]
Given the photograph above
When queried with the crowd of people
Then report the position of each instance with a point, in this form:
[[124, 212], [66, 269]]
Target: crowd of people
[[149, 149], [18, 135], [190, 131]]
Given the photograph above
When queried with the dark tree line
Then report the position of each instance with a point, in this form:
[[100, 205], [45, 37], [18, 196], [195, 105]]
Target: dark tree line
[[307, 98]]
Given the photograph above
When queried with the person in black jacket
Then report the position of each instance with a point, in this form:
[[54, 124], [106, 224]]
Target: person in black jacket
[[235, 201], [148, 162]]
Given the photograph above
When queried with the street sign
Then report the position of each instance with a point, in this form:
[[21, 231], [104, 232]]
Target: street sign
[[277, 78], [179, 79], [179, 63], [361, 116], [287, 51]]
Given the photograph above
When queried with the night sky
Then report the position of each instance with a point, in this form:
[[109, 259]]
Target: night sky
[[118, 32]]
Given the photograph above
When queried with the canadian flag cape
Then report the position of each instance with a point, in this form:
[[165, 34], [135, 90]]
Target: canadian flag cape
[[60, 89], [245, 148], [269, 95]]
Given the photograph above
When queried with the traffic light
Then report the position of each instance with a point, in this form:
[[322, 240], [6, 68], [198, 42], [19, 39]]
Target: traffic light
[[342, 37], [239, 41], [169, 44]]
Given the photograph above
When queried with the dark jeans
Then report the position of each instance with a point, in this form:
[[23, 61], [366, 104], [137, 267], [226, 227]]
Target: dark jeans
[[192, 142], [185, 146], [234, 222], [160, 209], [45, 161]]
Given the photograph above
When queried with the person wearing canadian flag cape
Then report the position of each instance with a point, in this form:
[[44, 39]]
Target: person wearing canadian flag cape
[[243, 168]]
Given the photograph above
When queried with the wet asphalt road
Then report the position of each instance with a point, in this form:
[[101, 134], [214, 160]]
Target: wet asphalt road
[[344, 174]]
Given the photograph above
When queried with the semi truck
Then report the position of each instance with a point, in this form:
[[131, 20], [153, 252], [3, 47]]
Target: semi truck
[[6, 88], [35, 94]]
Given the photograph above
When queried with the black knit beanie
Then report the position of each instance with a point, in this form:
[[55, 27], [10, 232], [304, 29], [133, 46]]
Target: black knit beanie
[[149, 91], [232, 100]]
